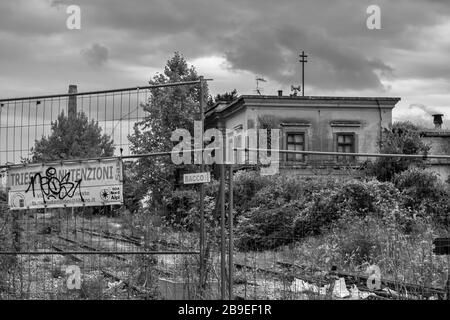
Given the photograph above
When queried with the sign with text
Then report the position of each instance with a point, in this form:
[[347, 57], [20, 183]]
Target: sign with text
[[66, 184], [200, 177]]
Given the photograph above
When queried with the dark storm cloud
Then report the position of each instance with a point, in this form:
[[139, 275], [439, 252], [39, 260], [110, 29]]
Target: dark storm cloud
[[275, 52], [262, 37], [96, 55], [265, 38]]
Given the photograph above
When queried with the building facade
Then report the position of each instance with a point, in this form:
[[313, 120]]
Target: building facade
[[310, 123]]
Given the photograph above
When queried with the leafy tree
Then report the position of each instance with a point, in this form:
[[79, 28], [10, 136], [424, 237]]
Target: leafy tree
[[168, 108], [400, 138], [227, 97], [73, 137]]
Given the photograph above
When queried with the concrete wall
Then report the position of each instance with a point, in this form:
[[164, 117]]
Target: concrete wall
[[319, 118], [440, 144], [319, 128]]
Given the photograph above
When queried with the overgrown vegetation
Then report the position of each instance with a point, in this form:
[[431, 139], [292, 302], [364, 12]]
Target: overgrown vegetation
[[73, 137], [288, 209], [401, 138]]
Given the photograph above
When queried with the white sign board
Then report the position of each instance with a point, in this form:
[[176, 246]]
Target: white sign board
[[67, 184], [200, 177]]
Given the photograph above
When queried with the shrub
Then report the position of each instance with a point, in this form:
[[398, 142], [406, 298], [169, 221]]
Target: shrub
[[192, 219], [246, 185], [301, 207], [400, 138], [178, 203], [318, 212], [367, 197], [355, 199], [262, 228], [422, 191], [418, 186]]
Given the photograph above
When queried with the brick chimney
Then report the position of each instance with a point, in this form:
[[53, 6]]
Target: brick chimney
[[437, 120], [72, 105]]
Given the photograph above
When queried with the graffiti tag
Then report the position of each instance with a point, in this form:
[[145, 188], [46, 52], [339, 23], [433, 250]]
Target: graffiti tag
[[53, 188]]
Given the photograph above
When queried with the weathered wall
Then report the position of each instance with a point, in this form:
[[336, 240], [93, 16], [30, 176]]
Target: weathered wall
[[319, 118], [440, 144], [317, 124]]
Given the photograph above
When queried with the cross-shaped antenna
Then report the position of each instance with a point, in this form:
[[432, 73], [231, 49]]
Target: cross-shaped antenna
[[303, 60]]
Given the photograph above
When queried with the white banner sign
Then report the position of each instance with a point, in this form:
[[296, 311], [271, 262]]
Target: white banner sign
[[201, 177], [86, 183]]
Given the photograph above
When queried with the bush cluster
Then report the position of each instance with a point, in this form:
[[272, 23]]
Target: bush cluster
[[291, 208], [271, 211]]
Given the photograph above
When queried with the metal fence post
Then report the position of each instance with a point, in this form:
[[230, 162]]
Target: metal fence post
[[202, 195], [231, 239], [222, 230]]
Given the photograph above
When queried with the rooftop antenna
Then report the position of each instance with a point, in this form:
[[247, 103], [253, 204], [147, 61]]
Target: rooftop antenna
[[295, 89], [258, 89], [303, 60]]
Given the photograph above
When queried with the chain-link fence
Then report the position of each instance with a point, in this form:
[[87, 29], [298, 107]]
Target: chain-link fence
[[103, 252], [331, 229], [327, 225]]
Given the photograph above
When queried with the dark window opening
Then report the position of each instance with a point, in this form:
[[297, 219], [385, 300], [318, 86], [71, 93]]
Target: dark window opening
[[346, 144], [295, 142]]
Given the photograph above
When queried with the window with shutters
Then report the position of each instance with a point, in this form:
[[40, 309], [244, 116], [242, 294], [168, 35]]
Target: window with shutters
[[295, 141], [345, 143]]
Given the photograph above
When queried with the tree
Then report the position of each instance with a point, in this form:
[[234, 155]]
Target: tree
[[401, 138], [73, 137], [168, 108], [226, 97]]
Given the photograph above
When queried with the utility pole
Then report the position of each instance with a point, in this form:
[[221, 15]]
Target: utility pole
[[303, 60]]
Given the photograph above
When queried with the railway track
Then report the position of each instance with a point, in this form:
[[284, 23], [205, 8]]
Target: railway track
[[361, 280], [402, 290], [129, 239], [105, 272], [112, 236], [70, 255], [290, 276], [85, 246]]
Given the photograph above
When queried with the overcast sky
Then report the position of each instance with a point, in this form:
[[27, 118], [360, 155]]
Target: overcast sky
[[124, 43]]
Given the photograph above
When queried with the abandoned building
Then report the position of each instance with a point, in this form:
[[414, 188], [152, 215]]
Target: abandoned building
[[306, 123]]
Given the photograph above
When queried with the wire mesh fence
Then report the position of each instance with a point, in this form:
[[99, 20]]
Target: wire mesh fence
[[297, 236], [25, 120], [328, 229], [104, 252], [326, 225], [116, 256]]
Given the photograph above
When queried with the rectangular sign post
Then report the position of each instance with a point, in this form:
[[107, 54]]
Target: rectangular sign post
[[199, 177], [65, 184]]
